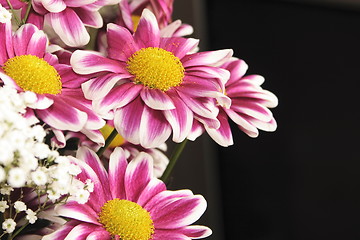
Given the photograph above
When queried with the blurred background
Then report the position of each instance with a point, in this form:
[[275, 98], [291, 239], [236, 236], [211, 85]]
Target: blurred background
[[302, 181]]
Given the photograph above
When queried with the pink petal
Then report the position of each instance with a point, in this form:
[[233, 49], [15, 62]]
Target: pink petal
[[117, 168], [179, 212], [194, 231], [62, 232], [196, 131], [184, 30], [121, 43], [94, 162], [87, 62], [54, 5], [173, 235], [69, 27], [154, 187], [202, 106], [138, 174], [242, 123], [169, 30], [62, 116], [81, 212], [97, 197], [90, 18], [147, 33], [166, 196], [180, 120], [157, 99], [97, 235], [154, 128], [222, 135], [209, 58], [99, 87], [80, 232], [179, 46], [6, 43], [118, 97], [252, 109], [127, 120], [30, 40], [78, 4], [237, 67], [42, 102]]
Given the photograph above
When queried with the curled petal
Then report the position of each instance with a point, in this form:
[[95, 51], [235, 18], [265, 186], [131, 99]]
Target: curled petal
[[69, 27]]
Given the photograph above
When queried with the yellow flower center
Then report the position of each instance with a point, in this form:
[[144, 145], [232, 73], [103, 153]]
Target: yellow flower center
[[34, 74], [135, 19], [126, 219], [117, 141], [156, 68]]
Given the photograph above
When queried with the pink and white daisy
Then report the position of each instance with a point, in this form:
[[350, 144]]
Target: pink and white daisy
[[249, 107], [150, 85], [29, 67], [68, 18], [160, 160], [130, 12], [129, 203]]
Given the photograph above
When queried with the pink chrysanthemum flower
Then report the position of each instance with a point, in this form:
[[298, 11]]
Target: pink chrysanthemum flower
[[131, 150], [68, 18], [58, 98], [150, 85], [130, 12], [129, 203], [249, 107]]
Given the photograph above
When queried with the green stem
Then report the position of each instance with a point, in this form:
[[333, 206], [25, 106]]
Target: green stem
[[27, 13], [172, 161], [19, 230], [107, 142]]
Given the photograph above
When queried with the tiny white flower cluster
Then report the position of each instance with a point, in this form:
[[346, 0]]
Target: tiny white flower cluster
[[5, 15], [26, 161]]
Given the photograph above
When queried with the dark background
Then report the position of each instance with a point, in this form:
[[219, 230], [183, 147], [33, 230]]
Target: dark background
[[302, 181]]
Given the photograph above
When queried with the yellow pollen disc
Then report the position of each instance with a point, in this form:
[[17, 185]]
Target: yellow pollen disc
[[117, 141], [135, 19], [156, 68], [33, 74], [126, 219]]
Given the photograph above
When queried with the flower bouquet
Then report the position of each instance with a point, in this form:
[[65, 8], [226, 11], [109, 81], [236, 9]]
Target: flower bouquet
[[91, 91]]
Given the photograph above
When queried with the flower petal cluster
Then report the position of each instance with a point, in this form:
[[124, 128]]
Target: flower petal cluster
[[26, 162], [29, 66], [249, 107], [68, 19], [150, 99], [171, 212], [130, 12]]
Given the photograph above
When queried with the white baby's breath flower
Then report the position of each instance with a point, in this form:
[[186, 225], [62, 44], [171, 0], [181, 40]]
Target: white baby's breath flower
[[9, 225], [31, 216], [74, 170], [39, 177], [29, 97], [82, 196], [5, 15], [6, 190], [53, 195], [17, 177], [2, 174], [20, 206], [89, 185], [3, 206]]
